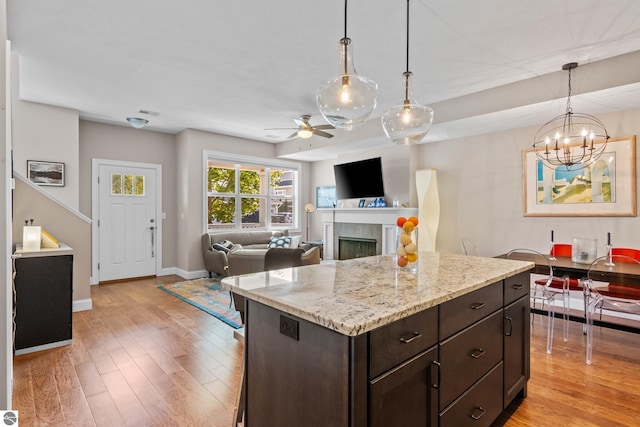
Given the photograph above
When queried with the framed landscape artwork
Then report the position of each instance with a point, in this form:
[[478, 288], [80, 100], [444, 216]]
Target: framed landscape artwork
[[326, 197], [45, 173], [605, 188]]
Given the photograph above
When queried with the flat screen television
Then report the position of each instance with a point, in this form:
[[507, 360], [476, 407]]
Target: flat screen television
[[357, 180]]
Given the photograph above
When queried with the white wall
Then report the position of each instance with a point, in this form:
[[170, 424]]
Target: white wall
[[45, 132], [480, 187]]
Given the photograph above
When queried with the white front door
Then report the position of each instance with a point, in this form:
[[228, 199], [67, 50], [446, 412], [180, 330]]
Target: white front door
[[127, 223]]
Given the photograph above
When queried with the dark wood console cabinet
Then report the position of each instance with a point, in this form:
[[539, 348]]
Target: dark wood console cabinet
[[459, 363], [43, 299]]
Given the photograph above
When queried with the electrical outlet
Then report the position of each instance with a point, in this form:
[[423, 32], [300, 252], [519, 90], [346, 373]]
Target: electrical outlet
[[289, 327]]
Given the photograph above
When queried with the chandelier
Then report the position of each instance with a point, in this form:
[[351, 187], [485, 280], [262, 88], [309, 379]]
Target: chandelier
[[572, 140], [408, 122]]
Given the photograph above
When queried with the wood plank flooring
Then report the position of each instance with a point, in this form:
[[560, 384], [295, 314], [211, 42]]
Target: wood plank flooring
[[144, 358]]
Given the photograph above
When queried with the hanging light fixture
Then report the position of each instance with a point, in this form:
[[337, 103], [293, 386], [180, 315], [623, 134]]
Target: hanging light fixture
[[347, 100], [137, 122], [408, 122], [573, 140]]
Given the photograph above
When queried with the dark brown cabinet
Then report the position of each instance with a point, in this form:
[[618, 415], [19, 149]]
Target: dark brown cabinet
[[406, 396], [459, 363], [43, 300]]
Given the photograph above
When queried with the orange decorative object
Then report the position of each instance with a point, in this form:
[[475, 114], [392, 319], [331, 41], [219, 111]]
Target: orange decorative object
[[412, 257], [401, 220], [414, 220], [408, 226], [402, 261]]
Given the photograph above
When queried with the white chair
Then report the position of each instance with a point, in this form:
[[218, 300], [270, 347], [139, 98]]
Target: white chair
[[469, 248], [544, 291], [618, 296]]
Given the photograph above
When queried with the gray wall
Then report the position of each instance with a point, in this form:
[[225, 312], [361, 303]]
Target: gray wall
[[103, 141], [481, 194]]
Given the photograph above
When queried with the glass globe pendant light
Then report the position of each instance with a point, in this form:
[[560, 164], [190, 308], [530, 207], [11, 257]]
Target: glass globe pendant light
[[409, 122], [347, 100]]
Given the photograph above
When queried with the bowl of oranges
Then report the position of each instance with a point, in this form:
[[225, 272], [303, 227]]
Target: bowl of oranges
[[407, 233]]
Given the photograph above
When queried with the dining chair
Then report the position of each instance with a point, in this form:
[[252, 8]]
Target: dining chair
[[561, 249], [547, 294], [469, 248], [618, 297], [627, 252], [565, 250]]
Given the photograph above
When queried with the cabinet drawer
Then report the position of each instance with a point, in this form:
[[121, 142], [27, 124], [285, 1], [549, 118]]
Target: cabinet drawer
[[402, 339], [468, 355], [467, 309], [479, 406], [516, 287]]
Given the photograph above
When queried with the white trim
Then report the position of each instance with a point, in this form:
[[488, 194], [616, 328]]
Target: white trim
[[189, 275], [254, 161], [95, 166], [82, 304], [52, 198], [43, 347]]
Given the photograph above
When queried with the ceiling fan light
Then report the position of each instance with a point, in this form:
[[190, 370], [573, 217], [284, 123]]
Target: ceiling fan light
[[137, 122], [305, 133]]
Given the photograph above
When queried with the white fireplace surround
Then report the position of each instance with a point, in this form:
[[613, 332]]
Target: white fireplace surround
[[386, 217]]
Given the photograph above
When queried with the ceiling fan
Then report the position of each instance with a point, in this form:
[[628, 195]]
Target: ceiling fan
[[306, 129]]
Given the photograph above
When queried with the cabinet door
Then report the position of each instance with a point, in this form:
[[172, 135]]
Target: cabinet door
[[405, 396], [516, 349]]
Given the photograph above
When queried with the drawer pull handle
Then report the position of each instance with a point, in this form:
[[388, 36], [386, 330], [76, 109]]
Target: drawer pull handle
[[477, 305], [415, 336], [510, 320], [518, 286], [481, 410], [437, 365], [477, 354]]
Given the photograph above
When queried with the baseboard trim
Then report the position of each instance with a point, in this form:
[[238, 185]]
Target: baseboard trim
[[82, 305], [190, 275]]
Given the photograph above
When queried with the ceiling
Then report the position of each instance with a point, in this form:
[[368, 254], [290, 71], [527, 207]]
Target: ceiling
[[241, 67]]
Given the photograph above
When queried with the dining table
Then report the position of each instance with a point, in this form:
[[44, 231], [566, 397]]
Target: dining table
[[623, 273]]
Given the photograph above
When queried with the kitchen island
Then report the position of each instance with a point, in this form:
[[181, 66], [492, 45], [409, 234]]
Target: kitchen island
[[361, 343]]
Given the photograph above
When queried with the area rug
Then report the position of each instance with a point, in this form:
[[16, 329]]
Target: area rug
[[208, 296]]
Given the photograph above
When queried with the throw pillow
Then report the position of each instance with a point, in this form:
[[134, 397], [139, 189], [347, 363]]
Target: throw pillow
[[295, 241], [223, 245], [280, 242]]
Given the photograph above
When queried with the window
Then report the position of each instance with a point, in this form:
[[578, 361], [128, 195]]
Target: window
[[249, 195]]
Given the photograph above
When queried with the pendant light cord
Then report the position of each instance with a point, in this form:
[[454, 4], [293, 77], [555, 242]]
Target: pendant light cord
[[569, 108], [407, 36], [345, 19]]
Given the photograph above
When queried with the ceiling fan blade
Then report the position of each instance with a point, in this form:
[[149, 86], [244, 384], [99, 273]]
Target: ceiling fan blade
[[322, 133], [324, 127], [293, 135], [299, 121]]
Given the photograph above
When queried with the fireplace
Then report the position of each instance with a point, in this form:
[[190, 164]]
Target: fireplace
[[377, 224], [355, 247]]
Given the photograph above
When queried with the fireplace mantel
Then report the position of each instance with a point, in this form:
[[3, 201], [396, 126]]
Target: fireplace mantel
[[386, 217]]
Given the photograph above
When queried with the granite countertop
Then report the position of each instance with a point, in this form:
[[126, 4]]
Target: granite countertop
[[355, 296]]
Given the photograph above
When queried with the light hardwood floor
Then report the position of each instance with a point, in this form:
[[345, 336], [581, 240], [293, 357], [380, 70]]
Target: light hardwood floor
[[144, 358]]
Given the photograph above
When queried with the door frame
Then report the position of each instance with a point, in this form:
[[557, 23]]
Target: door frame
[[95, 209]]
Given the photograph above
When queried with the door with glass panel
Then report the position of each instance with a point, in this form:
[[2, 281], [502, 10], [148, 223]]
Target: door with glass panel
[[127, 223]]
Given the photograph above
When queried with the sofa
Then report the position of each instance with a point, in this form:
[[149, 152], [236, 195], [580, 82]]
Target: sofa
[[250, 253], [250, 247]]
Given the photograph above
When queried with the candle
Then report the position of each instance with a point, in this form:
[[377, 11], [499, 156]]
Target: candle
[[608, 239], [551, 236]]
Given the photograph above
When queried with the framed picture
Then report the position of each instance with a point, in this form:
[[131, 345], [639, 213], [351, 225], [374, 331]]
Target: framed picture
[[605, 188], [326, 197], [45, 173], [361, 204]]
